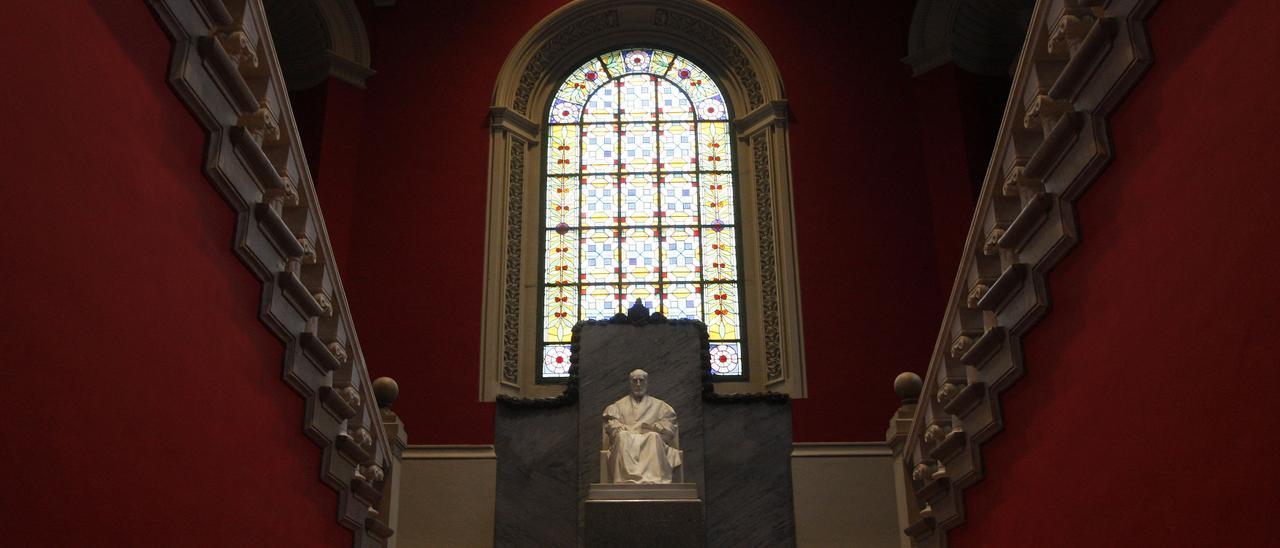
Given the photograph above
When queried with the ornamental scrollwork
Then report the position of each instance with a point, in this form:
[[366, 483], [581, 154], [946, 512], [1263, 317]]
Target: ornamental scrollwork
[[511, 295]]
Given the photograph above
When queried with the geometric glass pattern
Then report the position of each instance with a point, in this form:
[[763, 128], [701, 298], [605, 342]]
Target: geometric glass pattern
[[640, 203]]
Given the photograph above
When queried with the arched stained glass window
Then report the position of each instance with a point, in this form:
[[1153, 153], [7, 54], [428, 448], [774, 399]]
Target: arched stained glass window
[[640, 203]]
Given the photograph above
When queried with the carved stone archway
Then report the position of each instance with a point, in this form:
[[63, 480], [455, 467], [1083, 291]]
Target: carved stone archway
[[735, 56]]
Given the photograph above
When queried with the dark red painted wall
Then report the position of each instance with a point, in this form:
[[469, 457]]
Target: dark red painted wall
[[872, 279], [1143, 419], [142, 399]]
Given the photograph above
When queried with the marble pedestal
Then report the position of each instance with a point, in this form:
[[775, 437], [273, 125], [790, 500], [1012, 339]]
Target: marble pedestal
[[640, 515]]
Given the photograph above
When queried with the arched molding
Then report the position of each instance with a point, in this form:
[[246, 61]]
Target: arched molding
[[349, 57], [729, 51]]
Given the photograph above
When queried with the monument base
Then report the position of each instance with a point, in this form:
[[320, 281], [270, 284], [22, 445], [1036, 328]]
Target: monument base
[[643, 515]]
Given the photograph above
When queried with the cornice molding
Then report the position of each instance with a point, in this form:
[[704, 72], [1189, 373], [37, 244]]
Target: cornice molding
[[1079, 60], [225, 70], [804, 450], [450, 452]]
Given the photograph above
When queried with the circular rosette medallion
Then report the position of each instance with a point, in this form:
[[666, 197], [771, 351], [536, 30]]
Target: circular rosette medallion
[[725, 360], [712, 108], [565, 113], [555, 359], [636, 61]]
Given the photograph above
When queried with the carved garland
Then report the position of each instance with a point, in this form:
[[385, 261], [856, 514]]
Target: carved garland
[[511, 316]]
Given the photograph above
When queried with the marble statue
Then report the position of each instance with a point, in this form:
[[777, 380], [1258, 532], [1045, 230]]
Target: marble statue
[[641, 435]]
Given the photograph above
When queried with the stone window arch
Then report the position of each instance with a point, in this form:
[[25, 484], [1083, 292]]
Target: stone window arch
[[750, 81]]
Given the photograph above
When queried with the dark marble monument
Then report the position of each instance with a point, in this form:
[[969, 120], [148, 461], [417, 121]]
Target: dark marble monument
[[736, 449]]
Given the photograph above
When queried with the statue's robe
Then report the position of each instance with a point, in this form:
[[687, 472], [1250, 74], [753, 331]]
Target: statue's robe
[[641, 454]]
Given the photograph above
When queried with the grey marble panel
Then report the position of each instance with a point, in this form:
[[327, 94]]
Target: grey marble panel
[[749, 498], [537, 478], [644, 524], [672, 355]]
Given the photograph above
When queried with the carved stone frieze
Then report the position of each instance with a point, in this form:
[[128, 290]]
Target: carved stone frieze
[[563, 39], [768, 265], [725, 49], [511, 295]]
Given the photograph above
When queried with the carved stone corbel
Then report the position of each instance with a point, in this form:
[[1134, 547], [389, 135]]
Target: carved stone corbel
[[991, 245], [1044, 111], [948, 392], [326, 305], [1070, 30], [976, 292], [339, 352], [1016, 181], [960, 345], [261, 124], [309, 255], [239, 48]]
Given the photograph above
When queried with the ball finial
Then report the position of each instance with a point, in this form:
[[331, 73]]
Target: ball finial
[[908, 386], [385, 390]]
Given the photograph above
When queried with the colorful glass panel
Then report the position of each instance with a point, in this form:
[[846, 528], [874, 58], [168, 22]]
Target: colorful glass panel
[[560, 310], [673, 104], [603, 106], [679, 199], [562, 202], [717, 199], [637, 98], [719, 254], [585, 80], [561, 261], [721, 303], [640, 202], [726, 358], [680, 255], [682, 301], [599, 200], [639, 255], [555, 360], [562, 149], [599, 302], [675, 147], [600, 148], [599, 256], [639, 148], [713, 146], [646, 293]]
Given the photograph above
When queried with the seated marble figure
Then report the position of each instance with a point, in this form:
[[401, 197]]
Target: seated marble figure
[[642, 437]]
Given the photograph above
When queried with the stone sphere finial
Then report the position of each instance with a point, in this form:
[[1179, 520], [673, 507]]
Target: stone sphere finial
[[908, 386], [386, 390]]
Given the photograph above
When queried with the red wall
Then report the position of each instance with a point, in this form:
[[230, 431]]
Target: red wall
[[142, 398], [1143, 418], [872, 280]]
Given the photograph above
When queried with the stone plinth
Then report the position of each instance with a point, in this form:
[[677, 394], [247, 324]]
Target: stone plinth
[[643, 491], [644, 523]]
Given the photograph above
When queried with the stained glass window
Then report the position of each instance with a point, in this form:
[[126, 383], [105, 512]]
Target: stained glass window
[[640, 203]]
